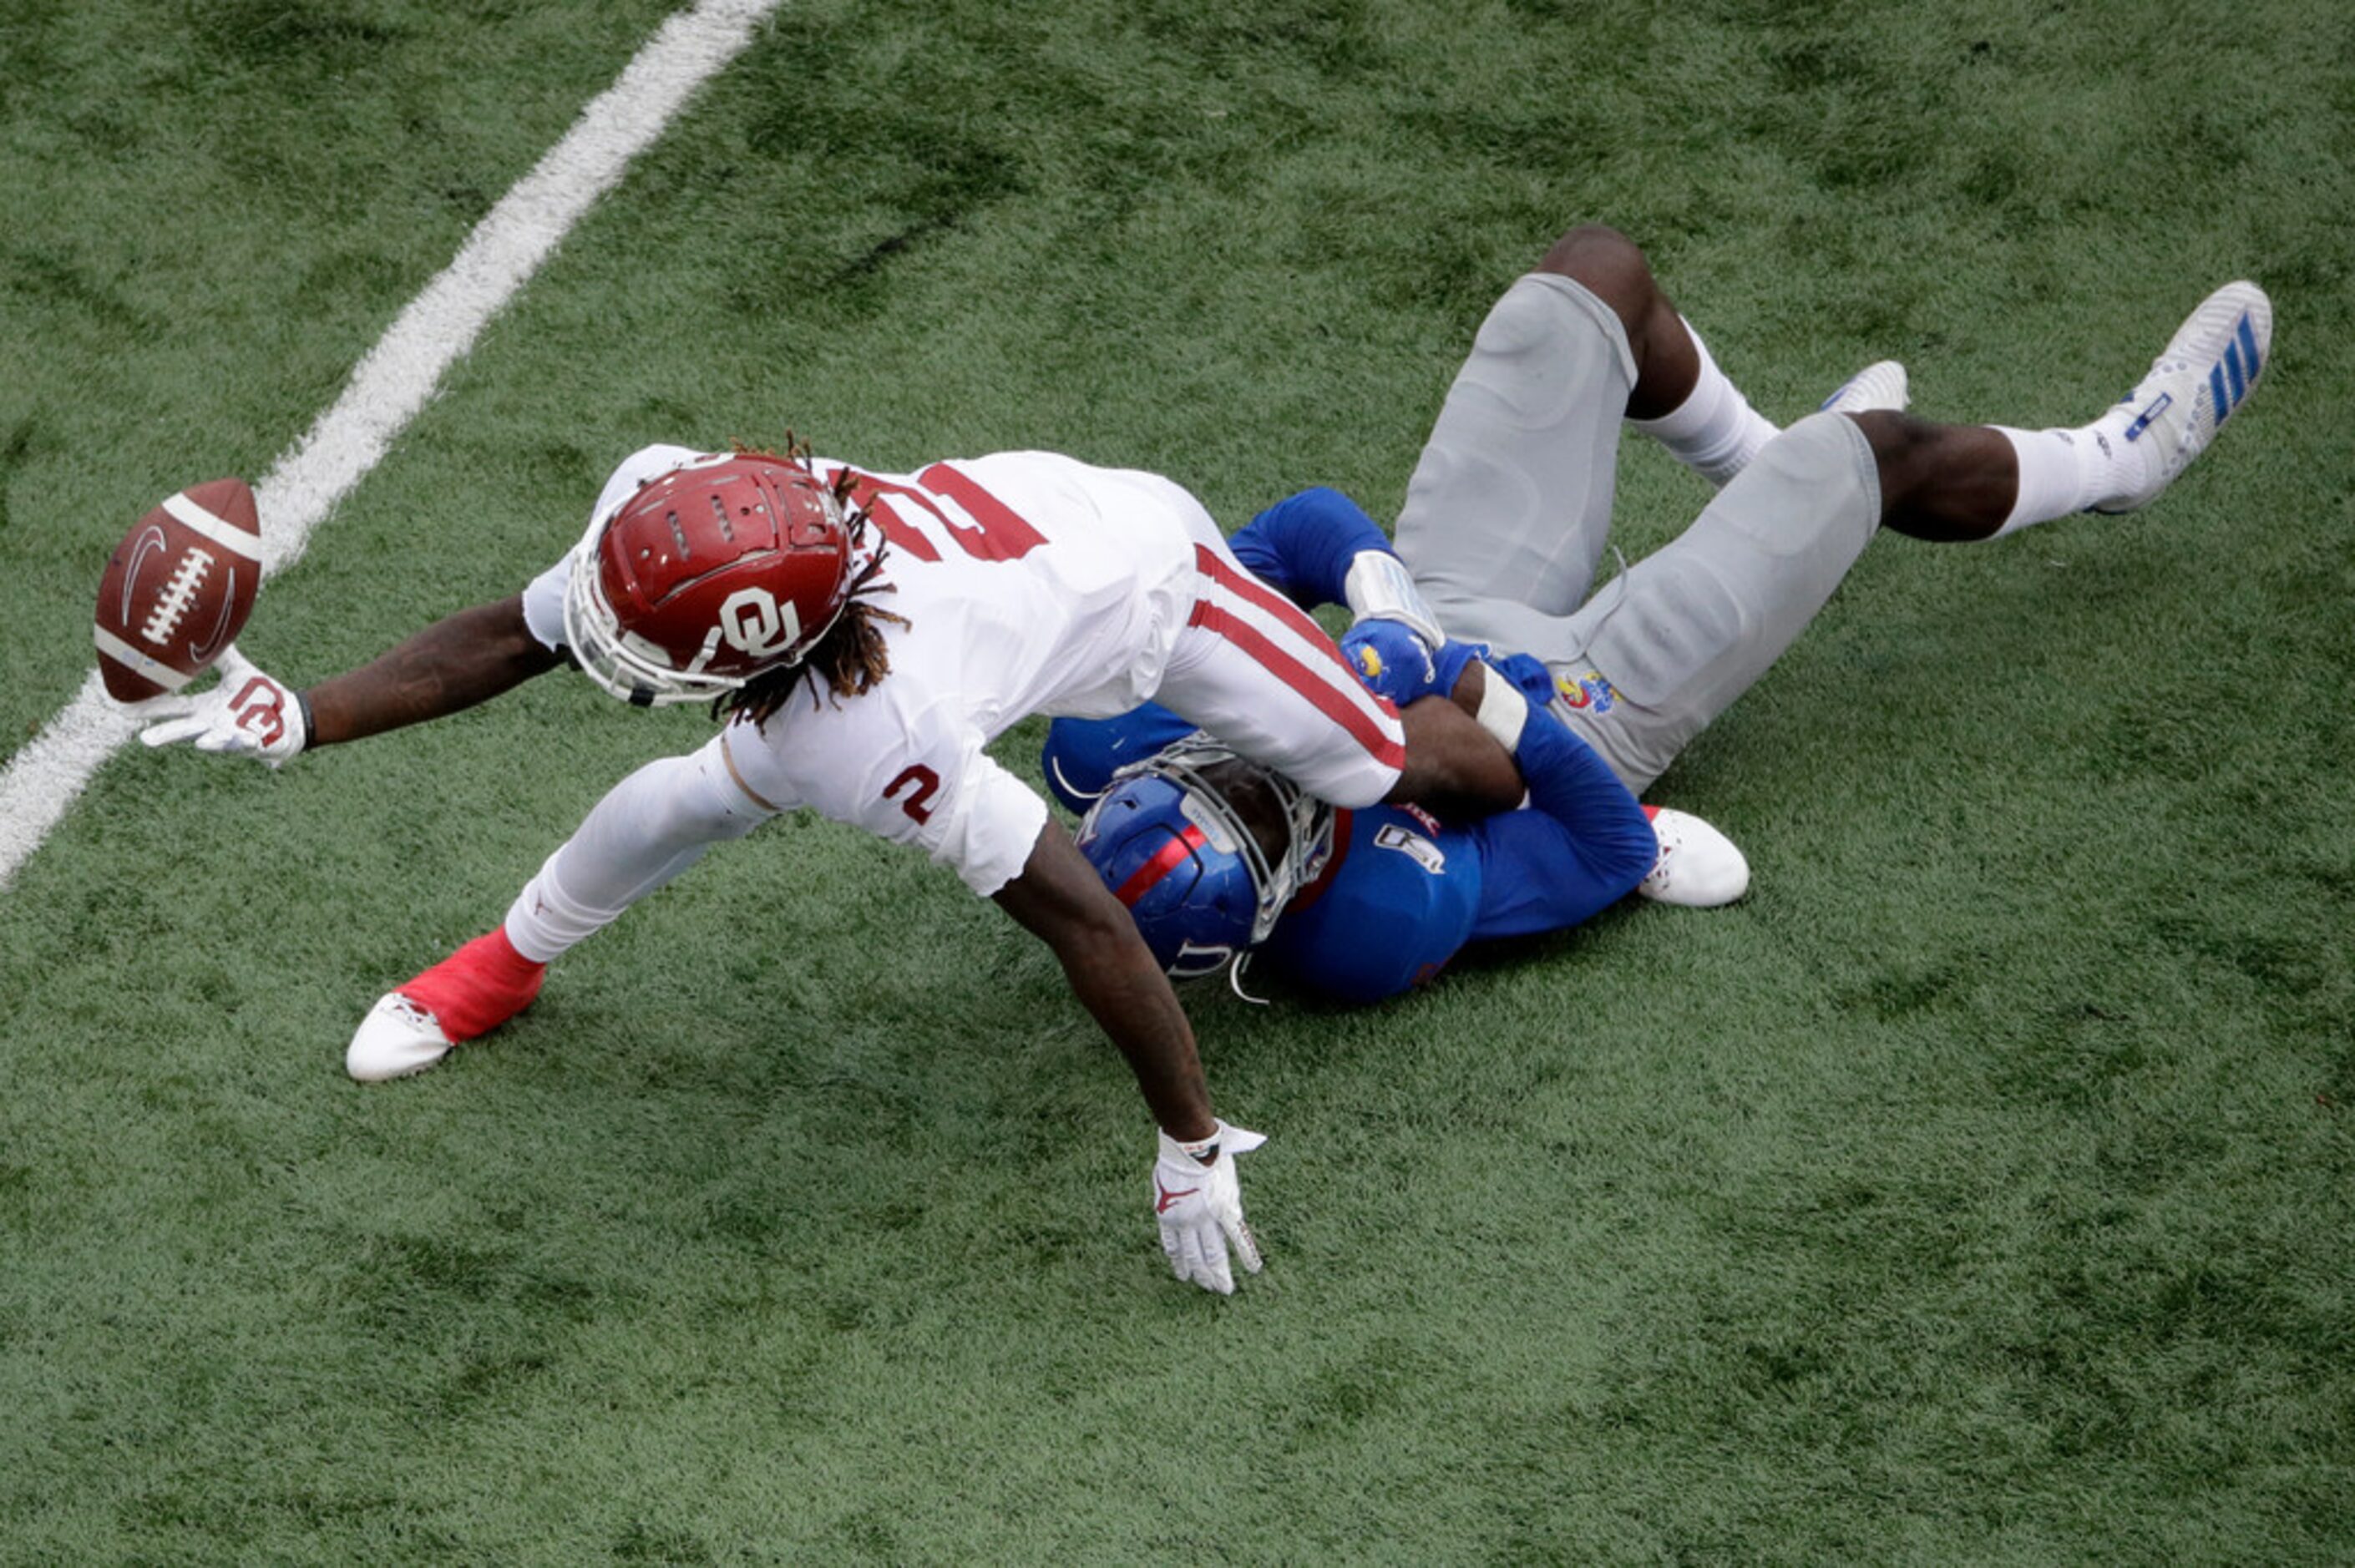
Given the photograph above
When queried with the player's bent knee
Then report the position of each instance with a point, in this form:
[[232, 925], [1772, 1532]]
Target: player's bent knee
[[1606, 262], [1596, 246]]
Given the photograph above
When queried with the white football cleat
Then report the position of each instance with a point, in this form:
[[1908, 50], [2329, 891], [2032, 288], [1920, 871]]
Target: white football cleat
[[397, 1038], [1881, 384], [467, 995], [1699, 866], [2206, 372]]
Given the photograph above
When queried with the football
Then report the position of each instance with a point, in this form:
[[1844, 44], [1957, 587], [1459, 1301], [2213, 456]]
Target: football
[[177, 590]]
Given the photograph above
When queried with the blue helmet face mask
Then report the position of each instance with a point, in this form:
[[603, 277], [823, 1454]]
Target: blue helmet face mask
[[1205, 849]]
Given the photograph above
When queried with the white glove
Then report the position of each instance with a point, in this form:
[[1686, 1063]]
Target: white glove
[[1201, 1207], [244, 713]]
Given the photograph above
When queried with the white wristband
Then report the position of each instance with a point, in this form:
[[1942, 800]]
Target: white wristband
[[1202, 1150], [1503, 709], [1378, 585]]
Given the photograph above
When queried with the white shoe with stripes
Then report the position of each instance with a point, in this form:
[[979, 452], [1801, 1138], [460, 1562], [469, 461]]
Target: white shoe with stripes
[[2206, 372]]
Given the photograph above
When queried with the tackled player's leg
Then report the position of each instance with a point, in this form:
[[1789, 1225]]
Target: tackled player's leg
[[1508, 510], [1958, 483], [1656, 654], [1664, 648]]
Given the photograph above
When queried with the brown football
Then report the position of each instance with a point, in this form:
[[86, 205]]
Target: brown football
[[177, 590]]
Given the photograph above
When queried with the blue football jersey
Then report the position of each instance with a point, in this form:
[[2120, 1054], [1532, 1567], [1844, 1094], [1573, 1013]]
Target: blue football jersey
[[1399, 898], [1402, 893]]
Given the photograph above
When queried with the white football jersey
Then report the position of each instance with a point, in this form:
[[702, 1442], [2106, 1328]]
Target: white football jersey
[[1031, 583]]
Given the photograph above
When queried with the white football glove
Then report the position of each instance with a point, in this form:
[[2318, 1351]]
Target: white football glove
[[244, 713], [1201, 1207]]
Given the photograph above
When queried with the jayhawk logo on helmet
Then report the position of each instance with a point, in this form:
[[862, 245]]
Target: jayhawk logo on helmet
[[723, 568]]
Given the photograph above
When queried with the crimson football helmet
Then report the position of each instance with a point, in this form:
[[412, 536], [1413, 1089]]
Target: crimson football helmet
[[722, 569]]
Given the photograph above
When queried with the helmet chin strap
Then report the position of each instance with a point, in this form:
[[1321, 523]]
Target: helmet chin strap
[[1235, 977], [1056, 763]]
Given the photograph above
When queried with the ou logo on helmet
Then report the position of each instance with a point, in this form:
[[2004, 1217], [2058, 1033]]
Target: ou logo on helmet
[[753, 622]]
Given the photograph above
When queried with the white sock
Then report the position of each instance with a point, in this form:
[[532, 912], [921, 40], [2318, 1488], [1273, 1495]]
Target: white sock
[[648, 828], [2061, 472], [544, 922], [1714, 431]]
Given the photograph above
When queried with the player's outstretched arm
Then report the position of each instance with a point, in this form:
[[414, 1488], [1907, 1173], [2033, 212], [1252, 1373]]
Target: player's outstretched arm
[[457, 661], [1059, 898]]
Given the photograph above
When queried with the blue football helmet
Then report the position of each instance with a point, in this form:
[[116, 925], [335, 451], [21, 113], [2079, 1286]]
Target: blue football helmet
[[1171, 839]]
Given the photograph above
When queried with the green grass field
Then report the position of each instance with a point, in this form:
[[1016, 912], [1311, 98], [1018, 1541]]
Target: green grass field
[[1977, 1189]]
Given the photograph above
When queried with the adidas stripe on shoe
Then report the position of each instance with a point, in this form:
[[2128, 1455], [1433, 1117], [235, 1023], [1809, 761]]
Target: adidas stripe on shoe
[[2200, 379]]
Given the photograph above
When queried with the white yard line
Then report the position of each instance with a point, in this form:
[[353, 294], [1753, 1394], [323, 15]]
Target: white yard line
[[393, 382]]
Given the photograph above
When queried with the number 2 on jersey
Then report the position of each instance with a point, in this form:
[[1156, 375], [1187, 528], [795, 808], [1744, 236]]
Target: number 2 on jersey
[[920, 783], [973, 520], [952, 509]]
